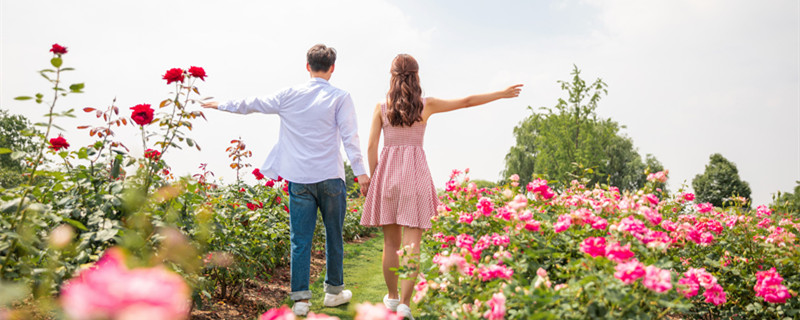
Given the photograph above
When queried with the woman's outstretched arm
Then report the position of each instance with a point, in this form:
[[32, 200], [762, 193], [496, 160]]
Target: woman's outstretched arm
[[434, 105]]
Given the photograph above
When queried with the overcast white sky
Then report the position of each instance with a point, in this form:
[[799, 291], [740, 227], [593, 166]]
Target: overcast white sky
[[688, 78]]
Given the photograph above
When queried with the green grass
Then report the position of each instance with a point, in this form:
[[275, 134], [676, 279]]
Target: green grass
[[362, 274]]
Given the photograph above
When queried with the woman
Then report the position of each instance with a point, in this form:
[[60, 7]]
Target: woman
[[401, 197]]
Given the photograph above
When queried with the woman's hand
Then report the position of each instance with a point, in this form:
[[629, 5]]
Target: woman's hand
[[512, 91]]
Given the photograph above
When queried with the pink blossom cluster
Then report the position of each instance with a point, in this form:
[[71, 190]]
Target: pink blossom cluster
[[769, 286], [540, 188], [597, 247], [695, 278], [109, 290], [495, 271], [660, 176], [653, 278], [580, 217], [497, 307]]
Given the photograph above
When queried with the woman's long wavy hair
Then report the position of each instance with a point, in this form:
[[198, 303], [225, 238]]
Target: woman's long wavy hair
[[404, 99]]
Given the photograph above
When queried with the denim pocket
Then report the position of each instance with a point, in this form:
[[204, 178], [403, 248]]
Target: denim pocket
[[333, 187], [298, 189]]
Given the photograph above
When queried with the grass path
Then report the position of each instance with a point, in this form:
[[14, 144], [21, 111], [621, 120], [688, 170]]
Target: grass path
[[362, 274]]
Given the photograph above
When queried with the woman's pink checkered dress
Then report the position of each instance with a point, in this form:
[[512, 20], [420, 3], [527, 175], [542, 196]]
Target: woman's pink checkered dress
[[401, 190]]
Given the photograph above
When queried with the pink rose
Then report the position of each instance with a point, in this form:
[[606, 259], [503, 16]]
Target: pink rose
[[656, 279], [715, 295], [594, 246], [497, 307], [109, 290], [629, 272], [617, 253]]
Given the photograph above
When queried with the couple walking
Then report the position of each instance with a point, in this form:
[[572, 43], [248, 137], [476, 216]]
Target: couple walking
[[401, 197]]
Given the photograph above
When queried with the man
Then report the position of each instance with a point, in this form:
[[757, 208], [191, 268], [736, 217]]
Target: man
[[314, 117]]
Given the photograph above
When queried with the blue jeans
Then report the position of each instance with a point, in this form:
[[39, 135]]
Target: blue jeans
[[304, 199]]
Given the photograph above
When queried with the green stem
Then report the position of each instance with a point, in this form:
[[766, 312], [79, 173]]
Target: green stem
[[21, 213]]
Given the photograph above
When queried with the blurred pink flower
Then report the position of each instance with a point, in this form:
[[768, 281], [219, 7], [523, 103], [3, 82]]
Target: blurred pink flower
[[368, 311], [532, 225], [688, 196], [497, 307], [465, 217], [704, 207], [109, 290], [465, 241], [769, 286], [617, 253], [656, 279], [485, 206], [282, 313], [715, 295], [628, 272], [600, 224], [594, 246], [688, 287], [563, 223], [763, 210], [653, 199], [494, 271]]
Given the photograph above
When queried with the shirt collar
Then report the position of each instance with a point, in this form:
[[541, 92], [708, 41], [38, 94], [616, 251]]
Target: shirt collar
[[318, 80]]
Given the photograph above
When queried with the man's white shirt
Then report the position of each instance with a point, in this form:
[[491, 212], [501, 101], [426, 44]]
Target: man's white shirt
[[315, 116]]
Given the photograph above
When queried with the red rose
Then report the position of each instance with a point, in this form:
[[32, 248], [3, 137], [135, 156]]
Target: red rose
[[270, 183], [280, 178], [58, 143], [258, 174], [355, 179], [278, 200], [142, 114], [58, 49], [251, 206], [152, 154], [198, 72], [174, 75], [286, 208]]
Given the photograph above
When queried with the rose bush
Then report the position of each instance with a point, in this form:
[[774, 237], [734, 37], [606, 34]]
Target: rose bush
[[78, 202], [598, 253]]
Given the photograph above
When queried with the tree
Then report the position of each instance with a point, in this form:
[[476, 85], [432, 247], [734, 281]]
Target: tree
[[16, 136], [570, 141], [719, 182]]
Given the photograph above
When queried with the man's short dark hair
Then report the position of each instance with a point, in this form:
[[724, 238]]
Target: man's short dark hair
[[321, 58]]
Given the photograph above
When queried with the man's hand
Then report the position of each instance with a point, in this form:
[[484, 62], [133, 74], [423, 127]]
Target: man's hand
[[363, 182], [210, 105]]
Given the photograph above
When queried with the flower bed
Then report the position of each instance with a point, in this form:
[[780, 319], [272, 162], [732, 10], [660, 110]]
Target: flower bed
[[527, 252]]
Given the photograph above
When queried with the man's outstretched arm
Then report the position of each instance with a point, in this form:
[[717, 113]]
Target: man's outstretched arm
[[268, 104]]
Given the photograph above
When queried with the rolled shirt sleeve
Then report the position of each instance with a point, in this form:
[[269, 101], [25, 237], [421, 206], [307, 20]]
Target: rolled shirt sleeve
[[348, 129]]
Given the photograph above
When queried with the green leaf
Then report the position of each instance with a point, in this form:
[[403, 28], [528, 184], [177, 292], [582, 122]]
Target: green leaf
[[67, 69], [23, 98], [77, 87], [76, 224], [5, 150], [56, 62]]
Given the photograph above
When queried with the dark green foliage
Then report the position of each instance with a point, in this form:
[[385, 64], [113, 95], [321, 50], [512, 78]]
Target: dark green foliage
[[719, 182], [16, 135]]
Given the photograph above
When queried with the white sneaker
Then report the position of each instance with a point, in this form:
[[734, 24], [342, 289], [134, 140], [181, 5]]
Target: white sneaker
[[301, 308], [390, 304], [332, 300], [404, 311]]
